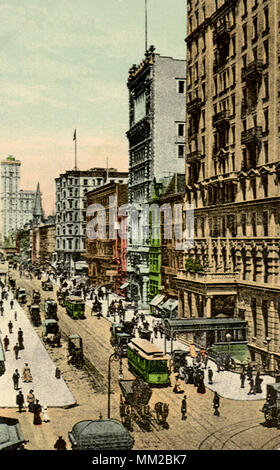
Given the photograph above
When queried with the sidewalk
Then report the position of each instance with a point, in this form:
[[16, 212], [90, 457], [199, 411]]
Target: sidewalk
[[48, 390]]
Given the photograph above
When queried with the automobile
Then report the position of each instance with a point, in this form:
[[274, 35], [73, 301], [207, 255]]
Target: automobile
[[35, 316], [75, 351], [51, 334], [271, 408], [21, 295]]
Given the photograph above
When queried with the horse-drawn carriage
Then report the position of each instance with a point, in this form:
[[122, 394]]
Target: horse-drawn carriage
[[135, 408]]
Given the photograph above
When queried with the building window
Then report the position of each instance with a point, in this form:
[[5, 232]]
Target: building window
[[254, 315], [265, 224], [266, 152], [266, 86], [266, 21], [244, 31], [181, 151], [265, 317], [244, 7], [181, 130], [181, 86], [243, 224], [266, 121], [266, 51], [254, 224], [255, 28]]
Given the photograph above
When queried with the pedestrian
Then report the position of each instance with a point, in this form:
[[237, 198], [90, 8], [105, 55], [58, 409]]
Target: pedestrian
[[10, 326], [155, 331], [184, 408], [258, 382], [20, 338], [201, 386], [46, 418], [2, 311], [16, 350], [30, 398], [216, 404], [20, 401], [252, 387], [60, 444], [249, 371], [15, 316], [210, 376], [15, 378], [37, 413], [6, 342], [12, 304], [205, 361], [242, 378], [26, 374]]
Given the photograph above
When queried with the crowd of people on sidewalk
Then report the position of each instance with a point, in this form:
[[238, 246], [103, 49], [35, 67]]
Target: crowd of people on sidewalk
[[15, 342]]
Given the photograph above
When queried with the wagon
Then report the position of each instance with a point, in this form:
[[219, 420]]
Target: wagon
[[135, 408]]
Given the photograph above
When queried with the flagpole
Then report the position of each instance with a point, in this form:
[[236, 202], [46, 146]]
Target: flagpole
[[75, 139], [146, 28]]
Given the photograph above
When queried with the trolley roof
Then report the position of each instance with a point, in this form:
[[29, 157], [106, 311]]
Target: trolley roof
[[75, 299], [146, 349]]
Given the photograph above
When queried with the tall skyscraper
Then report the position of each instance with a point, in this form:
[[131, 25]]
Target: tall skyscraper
[[16, 204], [156, 138]]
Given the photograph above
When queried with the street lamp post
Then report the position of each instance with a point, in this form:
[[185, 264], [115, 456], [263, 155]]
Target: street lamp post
[[268, 355], [228, 338], [116, 356]]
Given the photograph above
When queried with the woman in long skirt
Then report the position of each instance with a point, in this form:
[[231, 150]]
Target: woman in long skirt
[[37, 413]]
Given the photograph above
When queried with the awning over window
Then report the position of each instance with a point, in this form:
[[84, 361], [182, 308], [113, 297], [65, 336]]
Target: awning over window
[[124, 286], [170, 305], [157, 300]]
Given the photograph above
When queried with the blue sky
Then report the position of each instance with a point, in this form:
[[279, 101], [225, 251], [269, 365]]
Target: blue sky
[[64, 65]]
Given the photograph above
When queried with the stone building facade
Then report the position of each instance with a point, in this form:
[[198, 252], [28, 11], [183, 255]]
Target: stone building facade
[[156, 148], [16, 205], [106, 256], [233, 167], [71, 190]]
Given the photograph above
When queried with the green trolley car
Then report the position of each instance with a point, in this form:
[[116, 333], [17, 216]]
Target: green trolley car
[[148, 362], [75, 307]]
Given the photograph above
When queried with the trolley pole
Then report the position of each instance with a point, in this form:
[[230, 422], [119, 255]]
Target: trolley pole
[[115, 356]]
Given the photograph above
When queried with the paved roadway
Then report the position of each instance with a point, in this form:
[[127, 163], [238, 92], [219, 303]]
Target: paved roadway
[[238, 427]]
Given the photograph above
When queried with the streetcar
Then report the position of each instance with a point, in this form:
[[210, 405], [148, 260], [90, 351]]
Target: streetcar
[[75, 307], [2, 358], [148, 362]]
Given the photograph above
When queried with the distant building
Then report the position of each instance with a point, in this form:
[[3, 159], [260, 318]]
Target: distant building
[[71, 189], [156, 135], [106, 256], [16, 205]]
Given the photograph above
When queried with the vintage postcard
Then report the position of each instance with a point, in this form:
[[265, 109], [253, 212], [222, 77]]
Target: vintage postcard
[[140, 228]]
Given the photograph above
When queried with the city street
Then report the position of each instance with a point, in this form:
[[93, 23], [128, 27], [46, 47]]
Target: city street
[[239, 426]]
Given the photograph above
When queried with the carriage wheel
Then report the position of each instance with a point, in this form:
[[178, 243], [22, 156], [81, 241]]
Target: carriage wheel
[[268, 417], [278, 420]]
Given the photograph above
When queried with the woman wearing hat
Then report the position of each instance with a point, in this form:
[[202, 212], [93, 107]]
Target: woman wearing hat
[[30, 398]]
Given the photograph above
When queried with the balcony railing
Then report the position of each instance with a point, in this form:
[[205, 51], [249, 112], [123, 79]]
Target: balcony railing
[[221, 33], [221, 118], [194, 106], [253, 71], [251, 135], [196, 155]]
